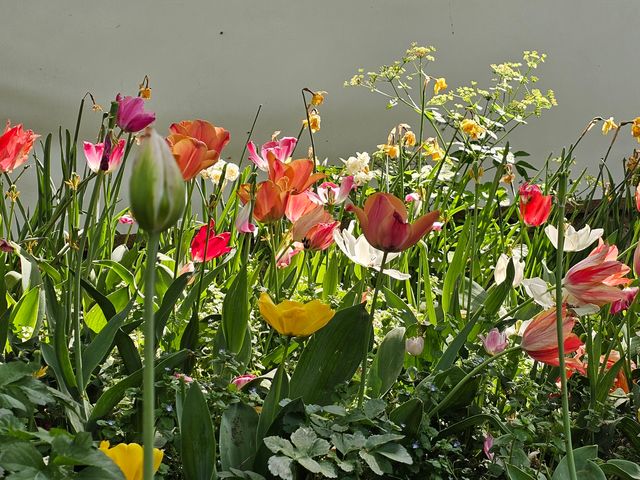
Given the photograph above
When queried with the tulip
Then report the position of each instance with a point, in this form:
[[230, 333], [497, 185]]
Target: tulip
[[534, 206], [128, 457], [285, 256], [299, 205], [538, 289], [279, 149], [15, 145], [295, 176], [102, 157], [315, 229], [359, 251], [540, 338], [270, 203], [295, 319], [126, 219], [487, 445], [156, 186], [332, 194], [624, 303], [243, 220], [621, 379], [414, 346], [197, 145], [574, 241], [131, 116], [636, 260], [242, 380], [384, 223], [495, 341], [217, 245], [637, 197], [500, 272], [595, 279]]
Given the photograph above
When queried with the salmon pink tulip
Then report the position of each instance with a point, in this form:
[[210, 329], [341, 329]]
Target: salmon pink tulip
[[280, 149], [270, 202], [540, 339], [384, 223], [315, 229], [299, 205], [242, 380], [295, 176], [102, 156], [131, 116], [534, 206], [203, 249], [595, 280], [15, 145]]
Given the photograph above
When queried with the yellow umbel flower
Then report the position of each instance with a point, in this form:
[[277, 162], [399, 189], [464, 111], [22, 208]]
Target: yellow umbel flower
[[295, 319], [608, 125], [441, 84], [129, 457]]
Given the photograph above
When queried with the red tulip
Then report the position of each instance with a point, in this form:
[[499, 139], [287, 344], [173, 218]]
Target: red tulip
[[534, 206], [15, 145], [203, 250], [540, 339], [385, 226], [595, 280]]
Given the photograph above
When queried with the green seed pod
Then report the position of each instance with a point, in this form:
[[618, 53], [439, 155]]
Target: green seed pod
[[156, 189]]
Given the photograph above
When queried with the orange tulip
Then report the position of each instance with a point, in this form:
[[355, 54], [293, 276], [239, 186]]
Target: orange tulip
[[295, 176], [385, 226], [196, 145], [299, 205], [270, 203]]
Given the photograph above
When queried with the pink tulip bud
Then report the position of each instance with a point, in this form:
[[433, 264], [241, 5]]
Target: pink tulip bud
[[495, 341], [487, 446], [242, 380], [414, 345]]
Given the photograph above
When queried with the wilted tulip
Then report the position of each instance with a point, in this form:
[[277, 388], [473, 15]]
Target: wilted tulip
[[156, 186], [414, 345]]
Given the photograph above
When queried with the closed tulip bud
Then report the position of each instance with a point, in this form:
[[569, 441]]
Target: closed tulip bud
[[414, 345], [157, 188]]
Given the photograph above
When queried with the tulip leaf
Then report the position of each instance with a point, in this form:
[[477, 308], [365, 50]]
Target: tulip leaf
[[450, 355], [387, 363], [408, 414], [330, 279], [198, 442], [25, 312], [331, 357], [456, 267], [605, 383], [623, 469], [271, 406], [394, 301], [238, 428], [235, 312], [585, 468], [169, 300], [515, 473]]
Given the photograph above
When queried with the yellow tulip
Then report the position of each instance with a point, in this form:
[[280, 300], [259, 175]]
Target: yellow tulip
[[295, 319], [129, 457]]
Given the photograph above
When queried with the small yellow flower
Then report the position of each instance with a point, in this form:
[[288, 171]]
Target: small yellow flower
[[41, 372], [314, 119], [432, 148], [409, 139], [318, 98], [392, 151], [73, 182], [608, 125], [145, 92], [635, 128], [509, 176], [441, 84], [472, 128], [295, 319], [129, 457], [96, 107]]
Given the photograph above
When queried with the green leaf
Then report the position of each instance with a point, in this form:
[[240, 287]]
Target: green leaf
[[395, 452], [516, 474], [169, 300], [623, 469], [606, 382], [271, 405], [25, 312], [238, 428], [331, 357], [198, 442], [235, 312], [21, 455], [473, 421], [450, 355], [281, 467], [631, 429], [408, 416], [394, 301], [456, 267], [330, 279], [387, 362], [584, 467], [57, 321]]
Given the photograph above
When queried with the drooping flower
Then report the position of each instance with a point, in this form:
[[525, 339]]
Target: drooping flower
[[318, 98], [280, 149], [495, 341], [431, 147], [131, 116], [360, 252], [242, 380], [15, 145], [534, 206], [270, 202], [243, 221], [315, 229], [332, 194], [129, 458], [217, 245], [384, 223], [608, 125], [409, 139], [595, 280], [574, 241], [102, 156], [624, 303], [635, 128], [500, 272], [540, 339], [441, 84], [314, 120], [284, 257], [414, 345], [295, 319], [390, 150], [473, 129], [196, 144]]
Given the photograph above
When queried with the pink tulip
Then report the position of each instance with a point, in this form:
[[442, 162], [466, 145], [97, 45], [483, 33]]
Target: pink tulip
[[623, 304], [284, 257], [242, 380], [243, 220], [487, 446], [6, 246], [534, 206], [15, 145], [637, 197], [636, 260], [280, 149], [126, 219], [495, 341], [102, 157], [414, 346], [299, 205], [332, 194], [595, 280], [315, 229], [540, 339], [131, 116]]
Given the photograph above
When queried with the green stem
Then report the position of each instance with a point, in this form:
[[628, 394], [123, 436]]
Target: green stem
[[367, 338], [562, 188], [148, 393], [468, 377]]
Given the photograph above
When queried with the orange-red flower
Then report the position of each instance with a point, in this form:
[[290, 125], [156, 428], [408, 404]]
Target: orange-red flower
[[15, 145], [385, 226], [540, 339], [196, 145], [204, 249], [534, 206], [295, 176], [270, 203], [595, 280]]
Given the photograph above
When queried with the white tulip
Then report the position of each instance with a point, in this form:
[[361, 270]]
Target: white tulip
[[500, 272], [574, 241], [538, 289]]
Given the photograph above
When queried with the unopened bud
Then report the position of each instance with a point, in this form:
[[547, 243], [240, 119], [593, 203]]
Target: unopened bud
[[414, 345]]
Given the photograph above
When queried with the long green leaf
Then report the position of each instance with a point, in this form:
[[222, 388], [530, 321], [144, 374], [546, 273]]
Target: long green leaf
[[238, 428], [235, 312], [198, 442], [387, 363]]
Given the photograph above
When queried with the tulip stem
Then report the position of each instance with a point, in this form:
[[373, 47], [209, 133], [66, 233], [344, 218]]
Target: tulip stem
[[148, 394], [367, 336], [468, 377], [562, 189]]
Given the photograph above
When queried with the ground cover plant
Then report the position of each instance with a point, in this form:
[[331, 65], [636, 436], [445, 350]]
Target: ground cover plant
[[435, 308]]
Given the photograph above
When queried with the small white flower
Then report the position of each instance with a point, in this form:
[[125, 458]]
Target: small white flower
[[538, 289], [233, 172], [574, 241], [500, 272]]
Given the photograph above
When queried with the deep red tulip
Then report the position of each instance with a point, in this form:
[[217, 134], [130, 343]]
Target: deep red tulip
[[203, 251], [534, 206]]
